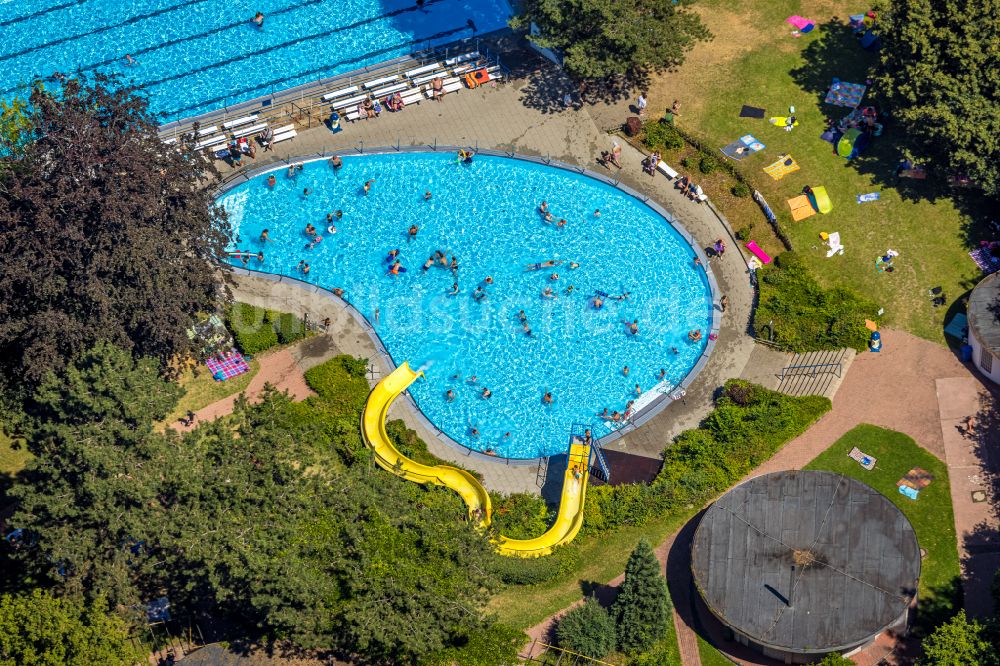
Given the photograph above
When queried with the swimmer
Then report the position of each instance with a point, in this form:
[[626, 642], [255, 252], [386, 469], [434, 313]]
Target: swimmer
[[625, 371], [697, 262], [628, 408], [454, 264], [411, 233], [488, 280], [260, 257], [545, 264], [548, 217], [310, 229], [694, 335], [660, 375], [258, 20], [293, 170], [454, 290], [486, 393], [554, 277], [427, 196], [561, 223], [130, 61], [442, 258], [675, 350], [544, 208], [337, 291], [339, 214], [569, 290], [521, 316], [597, 213], [450, 395], [471, 380], [474, 432], [376, 315], [526, 329], [547, 398], [301, 265], [638, 390], [306, 192], [598, 303], [573, 265], [395, 269], [368, 186], [633, 328], [336, 162], [264, 237], [588, 438], [428, 263], [548, 293], [478, 295], [393, 254], [271, 180]]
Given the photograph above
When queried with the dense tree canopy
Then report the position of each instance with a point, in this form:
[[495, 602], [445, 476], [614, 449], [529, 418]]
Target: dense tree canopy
[[587, 629], [642, 609], [939, 68], [105, 233], [265, 518], [960, 642], [605, 38]]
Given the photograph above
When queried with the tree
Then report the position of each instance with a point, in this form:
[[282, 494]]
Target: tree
[[606, 38], [941, 80], [835, 659], [641, 611], [587, 629], [107, 234], [40, 630], [15, 127], [959, 642]]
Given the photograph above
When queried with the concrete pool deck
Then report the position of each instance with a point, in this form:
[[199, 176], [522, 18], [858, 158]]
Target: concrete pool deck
[[500, 118]]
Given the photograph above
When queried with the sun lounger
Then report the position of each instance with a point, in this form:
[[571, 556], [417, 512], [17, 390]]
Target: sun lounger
[[381, 82], [245, 120], [472, 55], [666, 170], [330, 96], [422, 70]]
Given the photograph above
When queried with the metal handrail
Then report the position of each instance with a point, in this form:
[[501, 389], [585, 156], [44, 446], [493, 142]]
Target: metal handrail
[[813, 367]]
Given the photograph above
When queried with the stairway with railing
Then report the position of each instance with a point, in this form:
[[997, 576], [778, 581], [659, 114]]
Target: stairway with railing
[[814, 373]]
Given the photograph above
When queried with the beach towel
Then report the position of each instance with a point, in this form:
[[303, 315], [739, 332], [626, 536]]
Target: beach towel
[[746, 144], [847, 94], [957, 326], [912, 493], [782, 167], [985, 260], [751, 112], [865, 460], [800, 22], [870, 325], [871, 196], [224, 366], [801, 207], [917, 478]]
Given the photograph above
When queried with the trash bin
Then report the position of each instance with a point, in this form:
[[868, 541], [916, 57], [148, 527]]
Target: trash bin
[[966, 353], [633, 126]]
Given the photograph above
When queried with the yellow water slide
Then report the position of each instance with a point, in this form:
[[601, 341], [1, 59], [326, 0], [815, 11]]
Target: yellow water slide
[[568, 520]]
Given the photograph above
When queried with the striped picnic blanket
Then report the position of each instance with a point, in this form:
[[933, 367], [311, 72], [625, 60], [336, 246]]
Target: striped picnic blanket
[[227, 365], [985, 260], [846, 94], [782, 167]]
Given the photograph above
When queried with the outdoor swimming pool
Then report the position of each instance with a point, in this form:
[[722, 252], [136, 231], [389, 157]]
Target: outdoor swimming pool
[[198, 55], [486, 215]]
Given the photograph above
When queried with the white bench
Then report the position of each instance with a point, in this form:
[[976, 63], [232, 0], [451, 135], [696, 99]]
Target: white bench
[[667, 171], [448, 88], [461, 58], [339, 93], [211, 141], [249, 130], [381, 82], [430, 77], [240, 121], [285, 133], [205, 131], [413, 97], [390, 89], [422, 70], [350, 101], [170, 142]]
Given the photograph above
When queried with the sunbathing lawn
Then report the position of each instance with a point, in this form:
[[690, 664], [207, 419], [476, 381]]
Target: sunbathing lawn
[[202, 390], [13, 455], [754, 60], [931, 514]]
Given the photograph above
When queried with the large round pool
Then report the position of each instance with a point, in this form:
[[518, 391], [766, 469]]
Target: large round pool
[[486, 215]]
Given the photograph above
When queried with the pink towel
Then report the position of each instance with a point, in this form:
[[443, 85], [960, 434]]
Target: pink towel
[[758, 252], [800, 22]]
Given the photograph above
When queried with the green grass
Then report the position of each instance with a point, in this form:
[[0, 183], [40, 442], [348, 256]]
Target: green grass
[[13, 455], [931, 514], [602, 558], [201, 390], [754, 60], [709, 655]]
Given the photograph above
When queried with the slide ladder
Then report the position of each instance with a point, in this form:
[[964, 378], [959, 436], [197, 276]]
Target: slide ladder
[[568, 520]]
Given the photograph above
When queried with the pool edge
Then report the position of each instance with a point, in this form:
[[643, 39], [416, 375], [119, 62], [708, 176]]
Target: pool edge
[[641, 418]]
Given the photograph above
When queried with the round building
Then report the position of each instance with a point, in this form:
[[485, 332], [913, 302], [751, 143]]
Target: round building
[[799, 564], [984, 326]]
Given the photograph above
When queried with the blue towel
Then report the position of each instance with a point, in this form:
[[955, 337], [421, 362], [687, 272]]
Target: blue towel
[[908, 491], [956, 327], [871, 196]]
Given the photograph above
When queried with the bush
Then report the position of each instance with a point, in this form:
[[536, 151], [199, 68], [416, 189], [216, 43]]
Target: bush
[[687, 162], [496, 645], [340, 384], [661, 136], [805, 316], [707, 164], [741, 190], [413, 447], [520, 515], [587, 629], [256, 329], [745, 232]]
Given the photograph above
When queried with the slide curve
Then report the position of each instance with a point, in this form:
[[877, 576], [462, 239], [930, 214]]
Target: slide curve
[[568, 521]]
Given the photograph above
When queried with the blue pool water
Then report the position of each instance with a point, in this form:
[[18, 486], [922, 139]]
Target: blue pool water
[[198, 55], [486, 215]]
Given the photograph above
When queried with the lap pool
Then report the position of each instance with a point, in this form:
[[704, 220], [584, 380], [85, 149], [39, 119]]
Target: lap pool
[[195, 56], [485, 214]]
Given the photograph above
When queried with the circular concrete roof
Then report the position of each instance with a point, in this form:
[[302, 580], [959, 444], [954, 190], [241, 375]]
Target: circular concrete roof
[[984, 313], [806, 562]]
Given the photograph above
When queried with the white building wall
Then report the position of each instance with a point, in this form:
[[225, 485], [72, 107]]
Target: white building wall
[[978, 357]]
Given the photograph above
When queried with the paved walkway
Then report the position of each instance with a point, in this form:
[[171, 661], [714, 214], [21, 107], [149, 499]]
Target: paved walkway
[[897, 389], [280, 369]]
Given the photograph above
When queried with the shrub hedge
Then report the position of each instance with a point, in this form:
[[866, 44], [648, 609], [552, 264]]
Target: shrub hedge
[[587, 629], [495, 645], [257, 329], [800, 316], [520, 515], [748, 425], [661, 136]]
